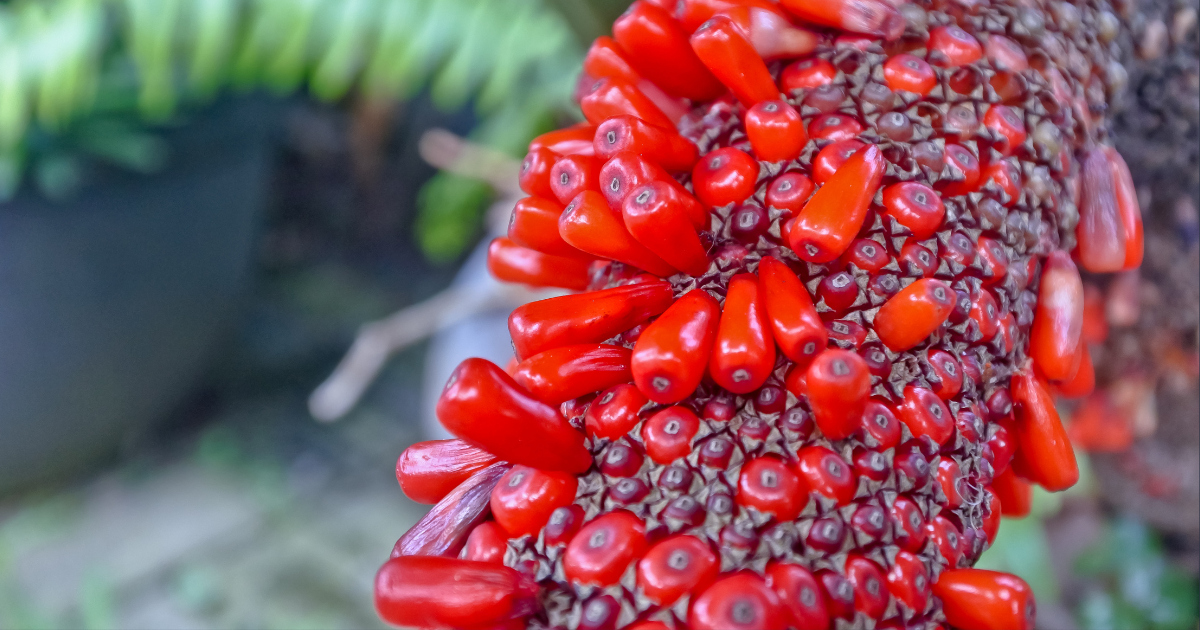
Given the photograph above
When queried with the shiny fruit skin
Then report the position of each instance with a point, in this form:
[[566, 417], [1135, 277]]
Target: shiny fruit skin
[[835, 213], [604, 548], [430, 592], [658, 48], [485, 407], [661, 146], [614, 411], [908, 581], [487, 543], [664, 228], [585, 318], [1015, 494], [913, 314], [825, 472], [795, 324], [512, 263], [743, 353], [671, 355], [428, 471], [667, 435], [988, 600], [924, 413], [908, 73], [589, 225], [769, 485], [1043, 448], [534, 224], [525, 497], [558, 375], [800, 594], [741, 601], [725, 50], [915, 206], [1058, 319], [838, 385], [776, 131], [610, 97], [725, 176], [675, 567]]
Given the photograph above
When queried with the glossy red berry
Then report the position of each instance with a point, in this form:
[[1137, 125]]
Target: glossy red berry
[[832, 157], [915, 206], [948, 539], [870, 588], [835, 127], [950, 478], [725, 176], [661, 146], [512, 263], [604, 548], [743, 354], [668, 434], [966, 168], [838, 384], [675, 567], [484, 406], [534, 224], [727, 52], [659, 49], [871, 464], [1044, 454], [825, 472], [434, 592], [1127, 207], [574, 174], [614, 411], [910, 531], [562, 374], [655, 217], [799, 593], [575, 140], [1007, 126], [839, 291], [867, 255], [620, 460], [881, 424], [907, 73], [807, 73], [776, 131], [924, 413], [994, 259], [671, 355], [428, 471], [835, 213], [839, 594], [794, 322], [525, 497], [916, 259], [769, 486], [1015, 494], [950, 47], [789, 192], [563, 524], [487, 543], [609, 97], [869, 17], [1058, 319], [534, 177], [589, 225], [912, 315], [739, 601], [585, 318], [988, 600], [948, 372], [908, 581]]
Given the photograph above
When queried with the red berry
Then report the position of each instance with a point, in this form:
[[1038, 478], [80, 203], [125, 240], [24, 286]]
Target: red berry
[[826, 473], [789, 192], [881, 424], [775, 130], [725, 176], [925, 414], [983, 313], [950, 47], [869, 17], [428, 471], [525, 497], [800, 594], [614, 412], [835, 213], [1003, 177], [1015, 494], [988, 600], [910, 532], [832, 157], [966, 165], [668, 434], [487, 543], [1127, 207], [609, 97], [1005, 123], [839, 291], [838, 385], [1005, 54], [994, 259], [562, 374], [769, 486], [534, 224], [870, 593], [625, 171], [908, 581], [839, 594], [437, 592], [1058, 320], [807, 73], [909, 317], [535, 172], [868, 255], [949, 374], [741, 600], [834, 127], [916, 259], [905, 72], [604, 548], [574, 174], [947, 538], [512, 263], [794, 322], [576, 140], [484, 406], [869, 520], [563, 524], [659, 221], [675, 567], [1044, 454], [949, 478], [870, 464], [749, 222], [911, 462], [725, 50], [620, 460], [915, 206], [826, 534], [991, 517], [671, 355], [661, 146], [585, 318], [743, 354]]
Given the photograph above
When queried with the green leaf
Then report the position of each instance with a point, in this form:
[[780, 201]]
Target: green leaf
[[450, 208], [1101, 611]]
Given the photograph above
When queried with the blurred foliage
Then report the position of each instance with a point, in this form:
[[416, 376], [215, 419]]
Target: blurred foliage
[[89, 77]]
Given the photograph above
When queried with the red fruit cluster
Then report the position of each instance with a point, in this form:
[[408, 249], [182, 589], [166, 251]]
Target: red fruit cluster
[[830, 253]]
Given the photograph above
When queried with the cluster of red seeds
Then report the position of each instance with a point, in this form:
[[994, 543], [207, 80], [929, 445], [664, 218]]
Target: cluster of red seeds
[[830, 284]]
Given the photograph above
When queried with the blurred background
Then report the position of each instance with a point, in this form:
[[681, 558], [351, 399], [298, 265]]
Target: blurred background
[[204, 203]]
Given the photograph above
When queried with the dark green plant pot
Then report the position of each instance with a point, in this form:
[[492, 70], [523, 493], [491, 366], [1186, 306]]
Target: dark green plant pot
[[111, 303]]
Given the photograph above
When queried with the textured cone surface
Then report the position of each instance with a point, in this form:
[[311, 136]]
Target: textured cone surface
[[1023, 208]]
